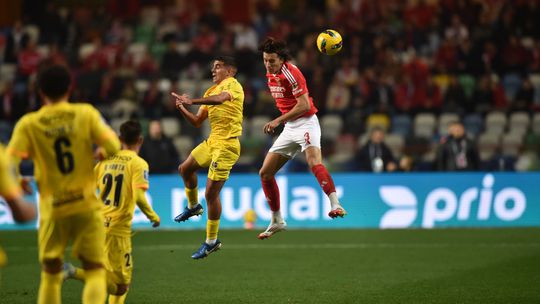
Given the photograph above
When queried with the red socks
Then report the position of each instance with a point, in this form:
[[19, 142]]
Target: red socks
[[271, 191], [324, 178]]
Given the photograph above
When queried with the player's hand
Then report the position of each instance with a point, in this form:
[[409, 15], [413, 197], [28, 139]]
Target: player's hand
[[24, 212], [25, 185], [99, 154], [156, 224], [270, 127]]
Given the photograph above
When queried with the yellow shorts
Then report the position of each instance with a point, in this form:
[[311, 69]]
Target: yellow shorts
[[118, 261], [218, 155], [84, 230]]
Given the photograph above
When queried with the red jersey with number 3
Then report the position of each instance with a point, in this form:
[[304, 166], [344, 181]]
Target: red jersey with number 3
[[286, 86]]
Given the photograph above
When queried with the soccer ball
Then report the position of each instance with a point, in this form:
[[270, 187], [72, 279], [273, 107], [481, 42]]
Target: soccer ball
[[329, 42]]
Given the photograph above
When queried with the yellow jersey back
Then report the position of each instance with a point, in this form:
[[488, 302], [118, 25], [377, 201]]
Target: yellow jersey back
[[59, 138], [117, 178], [226, 118]]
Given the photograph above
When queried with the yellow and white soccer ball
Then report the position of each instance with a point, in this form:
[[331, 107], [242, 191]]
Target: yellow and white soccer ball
[[329, 42]]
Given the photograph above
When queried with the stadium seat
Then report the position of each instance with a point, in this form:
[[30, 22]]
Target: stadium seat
[[86, 49], [511, 144], [137, 51], [184, 145], [115, 124], [488, 143], [468, 83], [395, 143], [444, 120], [171, 126], [187, 86], [473, 124], [141, 85], [378, 120], [401, 124], [511, 83], [495, 122], [8, 71], [331, 125], [424, 125], [535, 126], [519, 123], [123, 108], [343, 157], [165, 86]]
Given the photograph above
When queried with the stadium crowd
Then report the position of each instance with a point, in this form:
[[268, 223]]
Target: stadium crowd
[[408, 68]]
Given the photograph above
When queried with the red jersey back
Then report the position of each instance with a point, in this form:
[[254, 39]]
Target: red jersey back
[[286, 86]]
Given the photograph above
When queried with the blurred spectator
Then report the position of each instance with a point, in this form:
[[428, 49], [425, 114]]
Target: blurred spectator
[[455, 99], [524, 97], [406, 164], [375, 156], [457, 152], [158, 150], [16, 41], [152, 102]]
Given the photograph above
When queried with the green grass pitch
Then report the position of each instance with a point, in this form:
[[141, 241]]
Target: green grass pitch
[[312, 266]]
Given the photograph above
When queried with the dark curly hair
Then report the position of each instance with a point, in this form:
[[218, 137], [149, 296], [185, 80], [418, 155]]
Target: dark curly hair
[[272, 45]]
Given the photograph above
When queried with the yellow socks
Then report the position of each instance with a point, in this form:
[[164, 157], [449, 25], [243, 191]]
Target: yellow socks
[[212, 228], [95, 287], [192, 197], [117, 299], [50, 288]]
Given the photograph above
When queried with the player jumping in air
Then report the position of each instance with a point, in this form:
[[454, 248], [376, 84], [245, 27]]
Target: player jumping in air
[[222, 105], [301, 133], [122, 180], [59, 139]]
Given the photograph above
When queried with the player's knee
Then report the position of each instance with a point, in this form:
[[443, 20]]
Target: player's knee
[[121, 289], [52, 265], [265, 175]]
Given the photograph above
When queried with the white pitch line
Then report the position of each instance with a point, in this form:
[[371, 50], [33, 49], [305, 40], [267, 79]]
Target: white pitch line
[[315, 246]]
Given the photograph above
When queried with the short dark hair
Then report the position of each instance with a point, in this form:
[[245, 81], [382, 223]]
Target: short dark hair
[[272, 45], [227, 60], [130, 132], [54, 81]]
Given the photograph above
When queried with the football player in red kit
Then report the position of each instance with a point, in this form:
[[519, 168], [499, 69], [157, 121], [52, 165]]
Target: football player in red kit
[[301, 132]]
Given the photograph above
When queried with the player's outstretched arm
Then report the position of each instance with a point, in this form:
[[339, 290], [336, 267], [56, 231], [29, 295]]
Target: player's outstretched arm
[[195, 119], [145, 207]]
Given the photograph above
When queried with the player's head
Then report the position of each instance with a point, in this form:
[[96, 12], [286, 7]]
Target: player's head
[[275, 53], [223, 67], [131, 133], [54, 82]]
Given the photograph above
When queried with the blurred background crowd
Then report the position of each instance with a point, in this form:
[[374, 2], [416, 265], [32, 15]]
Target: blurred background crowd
[[420, 85]]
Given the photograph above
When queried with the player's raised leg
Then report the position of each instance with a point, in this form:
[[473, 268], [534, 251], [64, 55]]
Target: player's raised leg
[[314, 160], [187, 171], [272, 163]]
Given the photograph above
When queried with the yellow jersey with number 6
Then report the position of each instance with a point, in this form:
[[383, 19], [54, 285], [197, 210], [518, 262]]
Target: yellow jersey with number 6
[[59, 138]]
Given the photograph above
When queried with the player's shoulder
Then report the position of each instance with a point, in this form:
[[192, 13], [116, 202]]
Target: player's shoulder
[[291, 72], [83, 107]]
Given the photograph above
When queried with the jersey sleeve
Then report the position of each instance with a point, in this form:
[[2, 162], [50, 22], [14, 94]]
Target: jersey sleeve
[[19, 145], [297, 80], [140, 175], [234, 89], [102, 134]]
